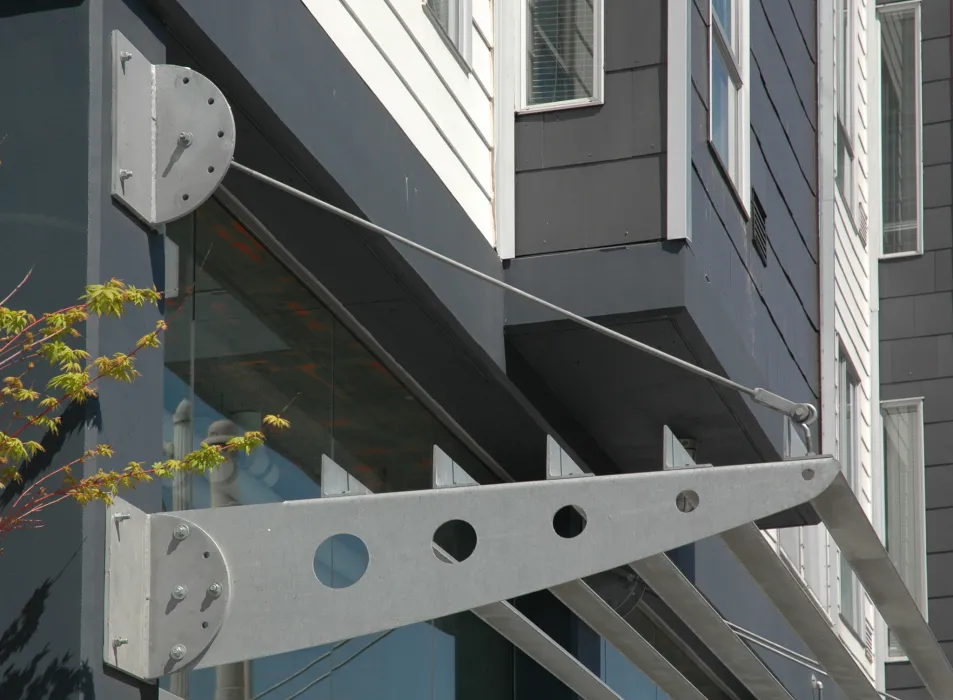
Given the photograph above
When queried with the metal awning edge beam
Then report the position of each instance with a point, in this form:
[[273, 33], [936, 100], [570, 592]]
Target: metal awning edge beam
[[590, 607], [863, 549], [679, 594], [795, 603]]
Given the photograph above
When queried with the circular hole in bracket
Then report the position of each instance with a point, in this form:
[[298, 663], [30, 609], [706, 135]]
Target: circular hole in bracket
[[341, 560], [221, 133], [206, 554], [211, 100], [455, 537], [569, 522], [185, 80], [185, 197], [204, 625], [211, 168], [687, 501], [807, 474]]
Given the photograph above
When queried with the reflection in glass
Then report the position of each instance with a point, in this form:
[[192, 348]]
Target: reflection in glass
[[904, 499], [722, 10], [900, 119], [247, 338], [721, 107]]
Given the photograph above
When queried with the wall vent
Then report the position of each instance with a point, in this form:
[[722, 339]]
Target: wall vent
[[862, 224], [759, 230]]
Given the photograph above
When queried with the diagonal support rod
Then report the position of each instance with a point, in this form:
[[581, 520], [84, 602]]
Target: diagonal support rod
[[801, 413], [252, 568]]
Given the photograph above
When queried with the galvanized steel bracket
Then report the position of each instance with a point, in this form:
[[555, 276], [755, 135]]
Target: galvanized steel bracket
[[173, 136], [271, 601]]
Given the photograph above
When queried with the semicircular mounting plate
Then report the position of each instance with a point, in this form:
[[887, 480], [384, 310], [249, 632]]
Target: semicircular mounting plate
[[173, 136], [195, 141]]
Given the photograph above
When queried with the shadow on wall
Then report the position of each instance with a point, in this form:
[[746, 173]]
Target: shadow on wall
[[76, 417], [43, 676], [22, 7]]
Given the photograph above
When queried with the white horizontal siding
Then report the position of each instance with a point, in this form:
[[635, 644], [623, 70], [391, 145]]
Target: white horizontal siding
[[444, 108]]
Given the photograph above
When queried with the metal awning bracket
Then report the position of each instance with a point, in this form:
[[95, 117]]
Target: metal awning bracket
[[249, 571], [173, 135]]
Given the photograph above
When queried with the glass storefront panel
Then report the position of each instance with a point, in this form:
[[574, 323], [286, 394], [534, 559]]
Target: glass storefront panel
[[246, 338]]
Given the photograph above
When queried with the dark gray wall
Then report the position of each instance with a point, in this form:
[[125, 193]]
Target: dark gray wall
[[58, 218], [916, 334], [593, 177], [775, 305]]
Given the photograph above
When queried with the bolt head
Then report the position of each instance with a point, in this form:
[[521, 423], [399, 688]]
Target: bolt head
[[185, 139], [125, 174], [181, 531], [119, 517], [215, 590], [179, 592], [177, 652], [119, 641]]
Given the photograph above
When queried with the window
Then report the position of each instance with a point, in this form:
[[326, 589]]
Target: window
[[562, 53], [843, 50], [905, 508], [848, 388], [453, 18], [901, 161], [728, 93]]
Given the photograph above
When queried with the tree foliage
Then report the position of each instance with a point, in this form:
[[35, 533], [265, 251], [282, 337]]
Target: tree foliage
[[52, 340]]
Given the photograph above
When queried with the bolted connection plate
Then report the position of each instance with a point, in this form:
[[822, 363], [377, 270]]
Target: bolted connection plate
[[173, 136]]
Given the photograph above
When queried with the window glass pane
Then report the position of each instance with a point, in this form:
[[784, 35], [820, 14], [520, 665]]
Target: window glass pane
[[246, 338], [844, 168], [843, 59], [441, 10], [900, 125], [903, 475], [560, 50], [850, 597], [722, 10], [722, 98]]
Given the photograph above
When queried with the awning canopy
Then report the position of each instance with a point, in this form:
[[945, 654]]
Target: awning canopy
[[861, 546]]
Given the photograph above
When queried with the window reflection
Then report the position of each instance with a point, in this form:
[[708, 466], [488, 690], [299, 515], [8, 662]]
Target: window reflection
[[246, 338]]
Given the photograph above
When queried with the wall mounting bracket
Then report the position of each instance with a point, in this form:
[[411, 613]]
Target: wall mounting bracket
[[173, 136], [200, 588]]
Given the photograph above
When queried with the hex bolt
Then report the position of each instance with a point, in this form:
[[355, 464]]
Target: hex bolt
[[125, 174], [178, 652], [119, 641], [119, 517], [179, 592], [215, 590], [124, 56], [185, 139], [181, 531]]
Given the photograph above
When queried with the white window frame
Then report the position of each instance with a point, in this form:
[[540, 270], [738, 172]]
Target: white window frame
[[598, 63], [844, 43], [737, 59], [895, 7], [919, 508], [459, 35], [849, 385]]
